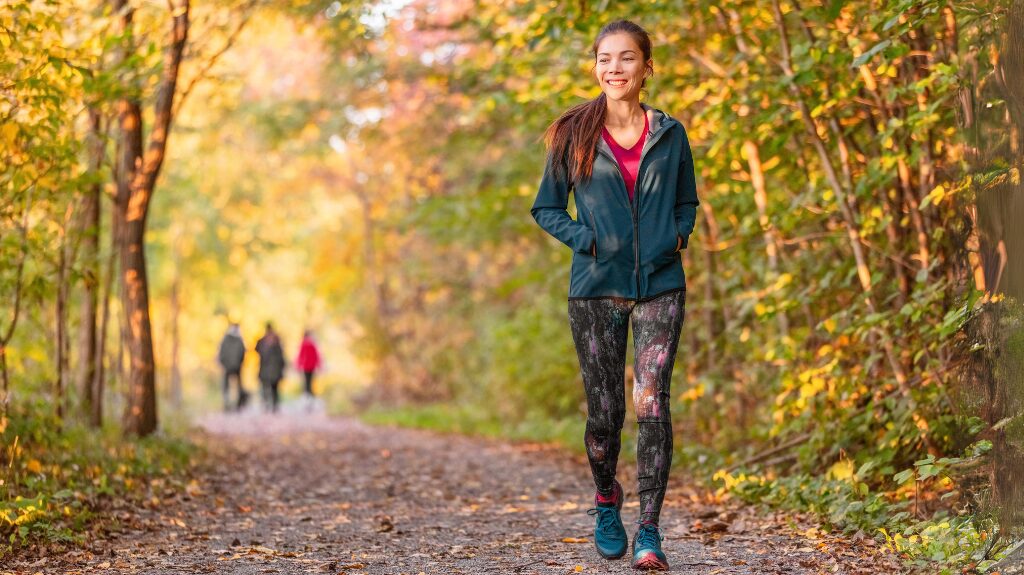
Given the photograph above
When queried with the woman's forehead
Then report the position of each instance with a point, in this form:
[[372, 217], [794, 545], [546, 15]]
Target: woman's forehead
[[617, 43]]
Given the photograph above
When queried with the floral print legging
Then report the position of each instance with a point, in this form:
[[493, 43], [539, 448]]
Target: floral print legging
[[600, 329]]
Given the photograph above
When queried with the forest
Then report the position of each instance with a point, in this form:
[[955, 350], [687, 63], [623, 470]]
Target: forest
[[854, 338]]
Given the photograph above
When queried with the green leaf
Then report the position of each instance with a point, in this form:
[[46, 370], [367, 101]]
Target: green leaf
[[863, 58], [903, 476]]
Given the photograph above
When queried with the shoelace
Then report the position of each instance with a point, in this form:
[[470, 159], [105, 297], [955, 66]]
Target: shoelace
[[605, 518], [648, 536]]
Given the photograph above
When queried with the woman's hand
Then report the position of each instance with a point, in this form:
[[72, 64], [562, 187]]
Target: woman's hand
[[679, 243]]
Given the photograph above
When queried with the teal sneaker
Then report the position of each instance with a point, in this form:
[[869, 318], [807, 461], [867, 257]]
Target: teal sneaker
[[647, 552], [609, 533]]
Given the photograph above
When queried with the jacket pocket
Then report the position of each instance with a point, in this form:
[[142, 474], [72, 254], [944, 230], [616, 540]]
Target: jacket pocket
[[597, 253], [664, 239]]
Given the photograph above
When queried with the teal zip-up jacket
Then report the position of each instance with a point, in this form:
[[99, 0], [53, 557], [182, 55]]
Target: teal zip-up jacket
[[635, 241]]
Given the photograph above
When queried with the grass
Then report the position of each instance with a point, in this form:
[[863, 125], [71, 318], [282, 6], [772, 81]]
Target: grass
[[55, 478]]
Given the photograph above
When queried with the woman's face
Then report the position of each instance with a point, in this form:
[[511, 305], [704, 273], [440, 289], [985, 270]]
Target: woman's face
[[620, 67]]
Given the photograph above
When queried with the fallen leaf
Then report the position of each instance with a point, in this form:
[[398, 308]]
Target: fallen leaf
[[738, 527], [574, 540], [716, 527]]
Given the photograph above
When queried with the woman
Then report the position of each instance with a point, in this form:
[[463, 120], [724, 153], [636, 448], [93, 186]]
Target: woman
[[308, 361], [272, 362], [631, 170]]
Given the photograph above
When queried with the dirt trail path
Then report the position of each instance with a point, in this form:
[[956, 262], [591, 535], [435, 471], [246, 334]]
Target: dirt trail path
[[310, 494]]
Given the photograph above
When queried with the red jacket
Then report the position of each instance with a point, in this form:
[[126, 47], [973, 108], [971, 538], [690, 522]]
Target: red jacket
[[309, 358]]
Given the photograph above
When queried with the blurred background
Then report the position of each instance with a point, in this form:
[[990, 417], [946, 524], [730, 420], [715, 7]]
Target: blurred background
[[853, 343]]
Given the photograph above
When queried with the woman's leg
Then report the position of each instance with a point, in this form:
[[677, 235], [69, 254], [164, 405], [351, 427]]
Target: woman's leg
[[308, 383], [656, 327], [226, 390], [600, 329]]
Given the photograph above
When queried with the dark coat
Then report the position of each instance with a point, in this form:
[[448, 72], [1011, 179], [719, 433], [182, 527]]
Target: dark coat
[[232, 352], [635, 241], [271, 357]]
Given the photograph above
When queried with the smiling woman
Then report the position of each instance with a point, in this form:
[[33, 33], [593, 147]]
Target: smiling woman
[[631, 170]]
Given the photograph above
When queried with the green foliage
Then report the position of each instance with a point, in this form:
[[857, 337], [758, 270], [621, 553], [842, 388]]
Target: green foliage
[[55, 478], [385, 193], [825, 314]]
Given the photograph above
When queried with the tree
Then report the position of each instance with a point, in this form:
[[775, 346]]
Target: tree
[[137, 172]]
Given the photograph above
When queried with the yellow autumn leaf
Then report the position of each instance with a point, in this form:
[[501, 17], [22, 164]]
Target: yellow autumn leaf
[[830, 325], [8, 133], [33, 466], [694, 393], [842, 470]]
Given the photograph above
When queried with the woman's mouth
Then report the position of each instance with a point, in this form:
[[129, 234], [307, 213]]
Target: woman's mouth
[[617, 82]]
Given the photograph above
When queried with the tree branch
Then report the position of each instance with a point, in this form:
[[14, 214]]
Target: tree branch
[[202, 74]]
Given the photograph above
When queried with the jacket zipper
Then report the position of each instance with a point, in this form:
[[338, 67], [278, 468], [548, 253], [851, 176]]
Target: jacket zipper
[[635, 204], [636, 208]]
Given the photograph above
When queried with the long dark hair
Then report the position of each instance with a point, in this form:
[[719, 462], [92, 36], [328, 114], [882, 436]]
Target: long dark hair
[[571, 140]]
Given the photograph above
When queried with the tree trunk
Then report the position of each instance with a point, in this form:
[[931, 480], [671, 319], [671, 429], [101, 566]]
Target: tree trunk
[[61, 324], [136, 182], [90, 263], [99, 380], [771, 244], [140, 409], [8, 332]]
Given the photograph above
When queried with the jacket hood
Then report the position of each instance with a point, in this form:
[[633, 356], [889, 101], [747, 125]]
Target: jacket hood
[[657, 120]]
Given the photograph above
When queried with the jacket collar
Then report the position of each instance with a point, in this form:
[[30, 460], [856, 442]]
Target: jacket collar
[[657, 122]]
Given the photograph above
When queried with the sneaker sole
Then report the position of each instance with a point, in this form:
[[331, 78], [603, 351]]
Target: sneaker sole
[[650, 562]]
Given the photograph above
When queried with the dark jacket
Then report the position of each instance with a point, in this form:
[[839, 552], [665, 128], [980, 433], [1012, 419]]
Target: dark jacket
[[635, 241], [271, 358], [232, 352]]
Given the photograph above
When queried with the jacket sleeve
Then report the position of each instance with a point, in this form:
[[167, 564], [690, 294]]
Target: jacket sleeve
[[686, 194], [549, 209]]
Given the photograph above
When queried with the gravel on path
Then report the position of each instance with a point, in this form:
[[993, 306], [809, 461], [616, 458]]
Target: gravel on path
[[306, 493]]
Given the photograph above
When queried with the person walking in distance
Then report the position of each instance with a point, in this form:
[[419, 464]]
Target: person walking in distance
[[308, 362], [631, 170], [231, 355], [271, 368]]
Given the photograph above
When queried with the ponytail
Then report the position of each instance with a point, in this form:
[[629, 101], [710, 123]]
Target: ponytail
[[572, 140]]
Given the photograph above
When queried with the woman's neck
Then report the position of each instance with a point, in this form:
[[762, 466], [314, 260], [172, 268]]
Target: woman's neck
[[623, 113]]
